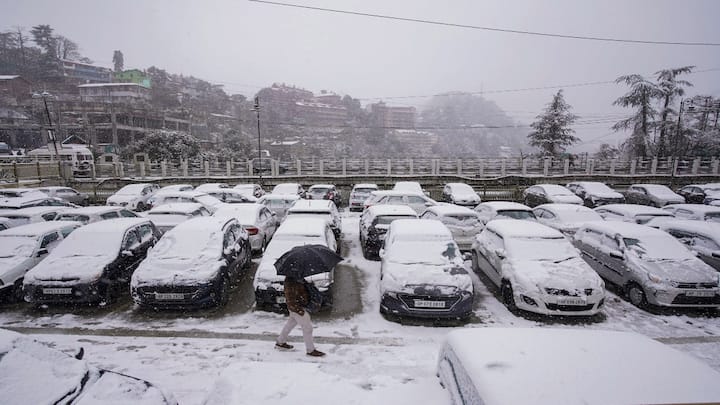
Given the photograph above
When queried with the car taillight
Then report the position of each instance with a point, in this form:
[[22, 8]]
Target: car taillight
[[251, 230]]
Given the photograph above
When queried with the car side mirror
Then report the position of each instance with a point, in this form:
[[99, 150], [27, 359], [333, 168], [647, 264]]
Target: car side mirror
[[42, 252], [616, 254], [500, 253], [127, 253]]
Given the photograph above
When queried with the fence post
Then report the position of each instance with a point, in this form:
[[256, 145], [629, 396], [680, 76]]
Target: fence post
[[546, 167], [653, 166], [184, 164], [502, 167], [93, 170], [714, 166], [696, 166], [163, 168], [15, 173], [612, 166], [207, 168], [228, 167], [367, 167], [344, 167], [481, 168], [389, 166], [459, 167], [37, 169], [675, 164], [633, 166], [299, 167], [322, 167], [274, 167], [142, 171], [591, 166]]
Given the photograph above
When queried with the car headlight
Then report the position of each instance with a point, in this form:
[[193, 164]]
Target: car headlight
[[391, 294]]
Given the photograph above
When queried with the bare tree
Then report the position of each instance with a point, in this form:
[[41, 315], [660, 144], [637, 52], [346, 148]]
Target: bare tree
[[66, 48]]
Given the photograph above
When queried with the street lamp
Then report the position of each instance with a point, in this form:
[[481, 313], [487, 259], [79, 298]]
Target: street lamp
[[256, 108], [51, 132]]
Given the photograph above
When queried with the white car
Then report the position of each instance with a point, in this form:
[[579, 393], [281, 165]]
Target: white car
[[167, 216], [417, 201], [422, 273], [268, 285], [460, 194], [176, 187], [321, 208], [359, 194], [230, 195], [639, 214], [87, 215], [278, 203], [211, 186], [133, 196], [566, 218], [66, 193], [695, 212], [23, 247], [501, 366], [31, 215], [463, 223], [289, 188], [21, 192], [537, 269], [16, 203], [209, 202], [490, 210], [252, 190], [259, 222], [374, 223], [409, 187]]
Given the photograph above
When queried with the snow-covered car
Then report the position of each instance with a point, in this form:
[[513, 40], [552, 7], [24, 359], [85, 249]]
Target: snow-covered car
[[88, 215], [648, 264], [22, 192], [205, 187], [259, 222], [324, 192], [499, 366], [595, 194], [463, 223], [92, 263], [322, 208], [252, 190], [268, 285], [548, 194], [696, 193], [4, 223], [209, 202], [460, 194], [31, 215], [639, 214], [230, 195], [701, 237], [194, 264], [422, 273], [23, 247], [133, 196], [167, 216], [409, 186], [490, 210], [566, 218], [289, 188], [374, 223], [176, 187], [16, 203], [537, 269], [66, 193], [34, 373], [359, 194], [417, 201], [695, 212], [278, 203], [655, 195]]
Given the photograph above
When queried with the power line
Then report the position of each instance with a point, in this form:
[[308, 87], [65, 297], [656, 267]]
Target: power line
[[483, 28]]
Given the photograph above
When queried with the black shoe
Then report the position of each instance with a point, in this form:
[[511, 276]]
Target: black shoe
[[316, 353], [283, 346]]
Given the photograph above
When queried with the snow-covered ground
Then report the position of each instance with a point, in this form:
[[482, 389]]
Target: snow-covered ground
[[230, 355]]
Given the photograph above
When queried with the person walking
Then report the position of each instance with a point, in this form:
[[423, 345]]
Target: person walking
[[297, 299]]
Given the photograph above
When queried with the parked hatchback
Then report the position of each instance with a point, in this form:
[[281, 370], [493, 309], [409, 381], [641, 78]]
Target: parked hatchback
[[696, 193], [324, 192], [375, 222], [649, 265], [92, 264], [134, 196], [194, 264], [359, 194], [460, 194], [463, 223], [595, 194], [701, 237], [548, 194], [655, 195], [422, 272]]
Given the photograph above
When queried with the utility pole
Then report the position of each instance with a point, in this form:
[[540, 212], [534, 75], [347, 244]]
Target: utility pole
[[257, 114], [51, 132]]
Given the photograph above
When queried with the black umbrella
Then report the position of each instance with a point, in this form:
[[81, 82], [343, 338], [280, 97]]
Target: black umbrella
[[302, 261]]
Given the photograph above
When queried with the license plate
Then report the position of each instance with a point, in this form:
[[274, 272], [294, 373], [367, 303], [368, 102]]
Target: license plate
[[700, 293], [57, 291], [169, 296], [572, 301], [429, 304], [280, 300]]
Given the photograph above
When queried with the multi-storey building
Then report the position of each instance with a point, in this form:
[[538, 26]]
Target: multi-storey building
[[78, 72], [114, 93], [388, 117]]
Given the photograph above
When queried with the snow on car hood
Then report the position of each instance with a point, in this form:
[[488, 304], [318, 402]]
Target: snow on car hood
[[465, 196], [566, 199], [422, 278], [121, 198], [572, 274], [74, 269], [688, 270], [605, 194], [176, 271], [9, 263]]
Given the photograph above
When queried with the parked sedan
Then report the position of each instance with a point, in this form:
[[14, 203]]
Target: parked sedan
[[696, 193], [325, 192], [23, 247], [251, 190], [259, 222], [167, 216], [703, 238], [278, 203], [490, 210], [134, 196], [649, 265], [359, 194], [595, 194], [418, 202], [374, 224], [566, 218], [268, 285], [34, 373], [695, 212], [463, 223], [31, 215], [460, 194], [537, 269], [639, 214], [209, 202], [92, 264], [176, 187], [205, 187], [87, 215], [66, 193], [21, 192], [319, 208], [193, 264], [549, 193], [655, 195], [422, 272], [289, 188]]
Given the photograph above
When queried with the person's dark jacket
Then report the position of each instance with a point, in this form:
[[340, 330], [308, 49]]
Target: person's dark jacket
[[296, 295]]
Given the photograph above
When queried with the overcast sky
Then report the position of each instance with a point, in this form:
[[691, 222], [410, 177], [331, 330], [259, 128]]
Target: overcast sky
[[247, 45]]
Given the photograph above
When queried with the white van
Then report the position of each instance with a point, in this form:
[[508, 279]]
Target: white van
[[78, 156]]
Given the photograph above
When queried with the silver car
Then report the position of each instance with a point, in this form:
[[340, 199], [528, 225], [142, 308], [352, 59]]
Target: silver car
[[66, 193], [650, 266], [359, 194], [463, 223], [259, 222]]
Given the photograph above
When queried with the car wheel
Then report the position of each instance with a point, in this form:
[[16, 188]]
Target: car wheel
[[223, 292], [508, 296], [636, 295]]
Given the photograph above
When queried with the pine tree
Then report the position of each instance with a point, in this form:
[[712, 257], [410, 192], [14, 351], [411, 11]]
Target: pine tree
[[641, 96], [552, 132], [671, 88], [118, 61]]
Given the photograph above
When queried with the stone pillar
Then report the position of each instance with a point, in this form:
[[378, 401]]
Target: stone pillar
[[250, 167], [410, 165], [184, 164], [228, 168], [714, 166], [459, 167], [207, 168], [481, 168], [389, 166], [92, 170], [163, 168], [344, 167], [113, 125], [299, 167], [653, 166], [546, 167], [367, 167], [633, 167], [142, 171], [523, 167], [612, 166], [503, 166], [322, 167], [696, 166], [590, 166]]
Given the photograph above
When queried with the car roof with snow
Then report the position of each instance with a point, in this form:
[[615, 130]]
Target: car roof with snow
[[553, 188], [136, 187], [365, 185], [97, 209], [390, 209], [650, 186], [239, 209], [17, 202], [114, 225], [709, 229], [34, 210], [280, 197], [322, 186], [419, 227], [559, 208], [311, 205], [18, 192], [38, 228], [511, 228], [185, 208], [634, 209], [381, 193], [407, 186], [505, 205], [626, 229], [451, 209], [696, 208], [189, 193], [577, 366], [202, 225], [302, 225]]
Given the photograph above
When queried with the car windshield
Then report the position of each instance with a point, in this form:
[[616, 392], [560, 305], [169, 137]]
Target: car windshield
[[461, 220], [103, 243], [645, 218], [363, 191], [189, 246], [658, 247], [552, 189], [207, 200], [319, 190], [423, 252], [12, 246], [516, 214], [273, 203], [579, 216], [387, 219], [74, 217], [553, 249], [659, 190]]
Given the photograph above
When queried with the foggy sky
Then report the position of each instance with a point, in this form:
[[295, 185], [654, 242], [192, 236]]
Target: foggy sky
[[246, 46]]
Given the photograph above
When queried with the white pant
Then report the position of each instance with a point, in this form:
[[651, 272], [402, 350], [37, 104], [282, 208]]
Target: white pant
[[307, 328]]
